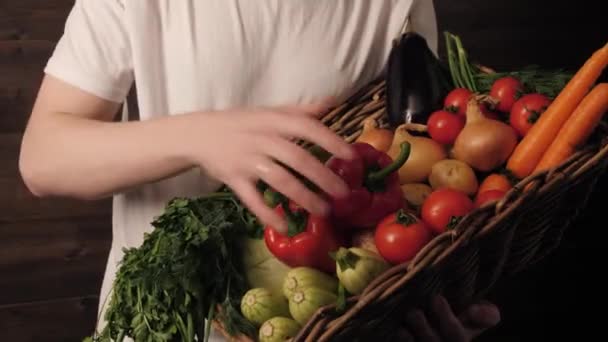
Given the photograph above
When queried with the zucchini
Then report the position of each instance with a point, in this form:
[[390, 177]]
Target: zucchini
[[302, 277], [278, 329], [259, 305]]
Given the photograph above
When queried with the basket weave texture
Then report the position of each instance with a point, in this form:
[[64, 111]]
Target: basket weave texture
[[496, 240]]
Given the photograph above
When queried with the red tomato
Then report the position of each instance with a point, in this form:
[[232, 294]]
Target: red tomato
[[442, 205], [444, 126], [400, 236], [526, 111], [456, 101], [506, 91], [488, 196]]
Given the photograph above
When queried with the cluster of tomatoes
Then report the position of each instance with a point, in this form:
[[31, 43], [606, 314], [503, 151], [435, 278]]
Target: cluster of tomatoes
[[399, 238], [511, 104]]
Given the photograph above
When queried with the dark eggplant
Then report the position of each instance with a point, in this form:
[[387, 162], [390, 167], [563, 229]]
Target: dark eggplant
[[416, 81]]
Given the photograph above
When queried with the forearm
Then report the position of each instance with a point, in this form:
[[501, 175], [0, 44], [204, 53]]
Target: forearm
[[67, 155]]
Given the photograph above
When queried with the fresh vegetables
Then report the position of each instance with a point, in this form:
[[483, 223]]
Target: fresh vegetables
[[259, 305], [379, 138], [365, 239], [534, 80], [357, 267], [506, 91], [444, 126], [526, 111], [425, 152], [262, 269], [456, 101], [209, 259], [190, 263], [453, 174], [303, 277], [416, 193], [530, 150], [495, 181], [278, 329], [484, 144], [460, 69], [272, 198], [374, 185], [577, 128], [400, 236], [445, 207], [309, 241], [488, 196], [304, 302], [416, 81]]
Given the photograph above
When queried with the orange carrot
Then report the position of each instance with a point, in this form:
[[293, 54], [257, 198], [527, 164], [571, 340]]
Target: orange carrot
[[577, 129], [531, 148], [495, 181]]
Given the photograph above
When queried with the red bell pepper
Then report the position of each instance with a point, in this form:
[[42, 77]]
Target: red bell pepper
[[374, 185], [309, 241]]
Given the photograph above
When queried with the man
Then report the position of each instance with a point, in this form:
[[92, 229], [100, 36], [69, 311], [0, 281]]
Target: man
[[223, 85]]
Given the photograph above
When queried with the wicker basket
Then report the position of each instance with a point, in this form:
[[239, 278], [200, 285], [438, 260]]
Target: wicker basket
[[463, 264]]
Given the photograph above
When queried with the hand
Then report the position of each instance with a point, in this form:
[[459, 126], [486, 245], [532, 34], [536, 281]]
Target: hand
[[241, 147], [475, 320]]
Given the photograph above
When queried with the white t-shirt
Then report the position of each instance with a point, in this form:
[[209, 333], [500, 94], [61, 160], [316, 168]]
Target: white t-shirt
[[188, 55]]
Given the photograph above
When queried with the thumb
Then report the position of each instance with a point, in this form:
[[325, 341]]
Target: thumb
[[480, 317]]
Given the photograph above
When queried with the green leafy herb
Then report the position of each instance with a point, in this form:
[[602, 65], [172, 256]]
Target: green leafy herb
[[534, 79], [165, 289], [477, 79]]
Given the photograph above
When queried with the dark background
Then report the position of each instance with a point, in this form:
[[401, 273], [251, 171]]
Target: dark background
[[52, 252]]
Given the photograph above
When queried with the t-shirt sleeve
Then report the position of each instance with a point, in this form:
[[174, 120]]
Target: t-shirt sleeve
[[424, 21], [93, 53]]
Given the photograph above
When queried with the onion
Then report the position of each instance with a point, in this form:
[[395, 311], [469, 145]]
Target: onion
[[365, 239], [424, 153], [380, 138], [483, 143]]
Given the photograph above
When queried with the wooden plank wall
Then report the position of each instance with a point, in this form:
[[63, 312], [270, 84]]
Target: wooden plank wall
[[52, 251]]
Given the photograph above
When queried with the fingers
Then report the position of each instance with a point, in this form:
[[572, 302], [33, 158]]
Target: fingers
[[480, 317], [253, 200], [307, 165], [279, 178], [311, 130], [450, 326], [420, 327]]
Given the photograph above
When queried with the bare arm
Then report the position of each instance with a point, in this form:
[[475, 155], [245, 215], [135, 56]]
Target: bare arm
[[72, 147]]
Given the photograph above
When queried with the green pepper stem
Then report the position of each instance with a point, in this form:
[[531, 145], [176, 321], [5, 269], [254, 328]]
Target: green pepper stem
[[295, 222], [273, 198], [404, 154], [346, 259]]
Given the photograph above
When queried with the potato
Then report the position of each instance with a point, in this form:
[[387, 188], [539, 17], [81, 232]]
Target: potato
[[415, 193], [453, 174]]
